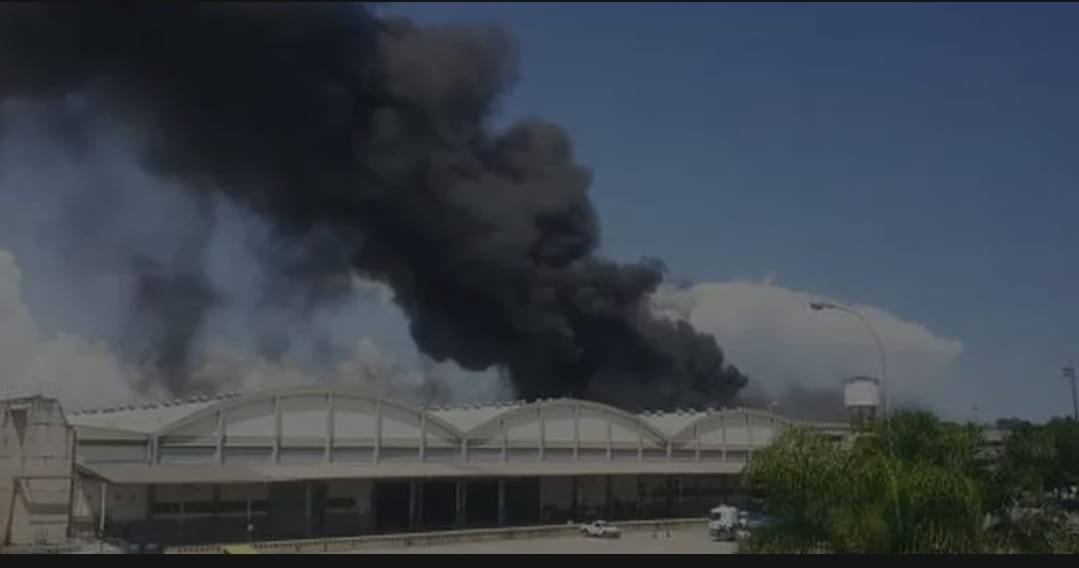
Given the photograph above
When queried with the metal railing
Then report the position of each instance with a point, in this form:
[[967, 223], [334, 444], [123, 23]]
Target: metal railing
[[341, 544]]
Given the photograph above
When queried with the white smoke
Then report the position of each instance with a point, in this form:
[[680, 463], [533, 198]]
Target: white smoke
[[64, 366], [771, 334]]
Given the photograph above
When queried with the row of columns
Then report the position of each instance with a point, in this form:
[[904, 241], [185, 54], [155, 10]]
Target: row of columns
[[460, 503], [416, 499], [415, 502]]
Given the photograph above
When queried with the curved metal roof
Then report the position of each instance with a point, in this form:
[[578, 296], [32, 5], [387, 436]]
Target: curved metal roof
[[460, 421]]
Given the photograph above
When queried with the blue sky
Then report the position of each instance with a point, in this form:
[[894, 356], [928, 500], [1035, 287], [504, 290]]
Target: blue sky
[[918, 158]]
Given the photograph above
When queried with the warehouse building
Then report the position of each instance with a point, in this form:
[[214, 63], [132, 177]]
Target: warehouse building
[[312, 462], [319, 461]]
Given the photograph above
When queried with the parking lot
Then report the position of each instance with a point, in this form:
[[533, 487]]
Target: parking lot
[[682, 541]]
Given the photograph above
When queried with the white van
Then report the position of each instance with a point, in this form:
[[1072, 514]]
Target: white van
[[722, 522]]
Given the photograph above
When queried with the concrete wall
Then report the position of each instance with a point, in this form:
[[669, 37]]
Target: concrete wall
[[36, 467]]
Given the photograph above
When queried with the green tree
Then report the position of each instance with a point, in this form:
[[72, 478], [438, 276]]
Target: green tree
[[1021, 473], [1064, 473], [905, 486]]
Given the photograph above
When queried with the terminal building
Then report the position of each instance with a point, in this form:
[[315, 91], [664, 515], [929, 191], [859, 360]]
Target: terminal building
[[318, 461]]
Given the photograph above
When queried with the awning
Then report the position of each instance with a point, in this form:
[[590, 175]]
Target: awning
[[129, 473], [125, 473]]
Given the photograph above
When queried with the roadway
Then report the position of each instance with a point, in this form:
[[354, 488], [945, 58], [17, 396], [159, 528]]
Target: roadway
[[680, 541]]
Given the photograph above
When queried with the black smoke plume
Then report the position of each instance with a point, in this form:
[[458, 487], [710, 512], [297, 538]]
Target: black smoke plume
[[372, 134]]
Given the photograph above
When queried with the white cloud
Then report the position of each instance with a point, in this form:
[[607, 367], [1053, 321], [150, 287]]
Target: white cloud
[[771, 333]]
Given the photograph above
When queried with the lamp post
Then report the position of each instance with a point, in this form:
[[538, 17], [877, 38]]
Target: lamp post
[[1069, 373], [820, 306]]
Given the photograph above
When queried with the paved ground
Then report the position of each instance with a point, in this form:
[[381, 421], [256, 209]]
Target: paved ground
[[683, 541]]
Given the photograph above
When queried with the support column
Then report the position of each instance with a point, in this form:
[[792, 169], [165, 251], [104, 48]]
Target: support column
[[607, 504], [641, 496], [501, 502], [307, 507], [698, 483], [421, 521], [249, 528], [670, 496], [151, 498], [183, 507], [542, 519], [459, 503], [573, 498], [372, 507], [101, 518], [411, 504]]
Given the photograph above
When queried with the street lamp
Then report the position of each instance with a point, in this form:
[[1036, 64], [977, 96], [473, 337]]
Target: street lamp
[[820, 306], [1069, 373]]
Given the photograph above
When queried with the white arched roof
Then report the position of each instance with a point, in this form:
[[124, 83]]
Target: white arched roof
[[338, 394], [335, 432], [534, 412], [348, 415], [716, 424]]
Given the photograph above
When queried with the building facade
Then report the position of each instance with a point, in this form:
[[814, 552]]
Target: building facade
[[37, 448], [312, 462]]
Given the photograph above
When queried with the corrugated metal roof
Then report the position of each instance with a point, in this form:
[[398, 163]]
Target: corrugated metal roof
[[149, 418], [146, 418], [670, 423], [467, 417]]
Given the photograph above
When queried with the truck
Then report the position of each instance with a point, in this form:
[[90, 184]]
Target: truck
[[723, 522]]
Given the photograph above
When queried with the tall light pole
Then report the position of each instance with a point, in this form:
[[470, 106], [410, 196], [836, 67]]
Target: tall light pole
[[820, 306], [1069, 373]]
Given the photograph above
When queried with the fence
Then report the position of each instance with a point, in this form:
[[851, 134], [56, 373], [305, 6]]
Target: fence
[[341, 544]]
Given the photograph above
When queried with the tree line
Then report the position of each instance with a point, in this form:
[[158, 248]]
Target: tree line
[[913, 483]]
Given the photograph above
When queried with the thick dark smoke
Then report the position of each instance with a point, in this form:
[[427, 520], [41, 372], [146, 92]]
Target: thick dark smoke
[[366, 140]]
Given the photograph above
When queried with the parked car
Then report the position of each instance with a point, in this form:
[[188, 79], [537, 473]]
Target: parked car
[[601, 529]]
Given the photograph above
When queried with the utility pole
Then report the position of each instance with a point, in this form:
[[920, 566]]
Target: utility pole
[[1069, 373]]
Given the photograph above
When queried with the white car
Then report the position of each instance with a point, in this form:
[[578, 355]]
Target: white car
[[601, 529]]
